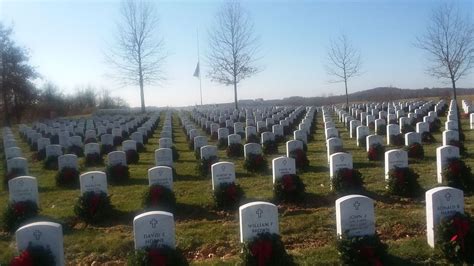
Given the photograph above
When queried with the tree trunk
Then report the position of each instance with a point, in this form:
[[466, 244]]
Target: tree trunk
[[140, 80], [235, 94], [5, 102], [458, 114], [347, 96]]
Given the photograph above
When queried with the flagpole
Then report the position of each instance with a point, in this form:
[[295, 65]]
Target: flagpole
[[199, 64]]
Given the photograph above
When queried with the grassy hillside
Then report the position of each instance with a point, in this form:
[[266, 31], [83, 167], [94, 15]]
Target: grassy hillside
[[211, 237]]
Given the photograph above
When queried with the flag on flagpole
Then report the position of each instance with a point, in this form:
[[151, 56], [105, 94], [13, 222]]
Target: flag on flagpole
[[197, 72]]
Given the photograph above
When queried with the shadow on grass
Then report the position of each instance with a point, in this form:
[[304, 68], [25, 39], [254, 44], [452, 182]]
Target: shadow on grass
[[185, 212], [316, 169], [390, 199], [361, 165], [394, 260]]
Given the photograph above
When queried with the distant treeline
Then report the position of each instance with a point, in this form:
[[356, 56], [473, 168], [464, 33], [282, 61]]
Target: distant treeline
[[377, 95]]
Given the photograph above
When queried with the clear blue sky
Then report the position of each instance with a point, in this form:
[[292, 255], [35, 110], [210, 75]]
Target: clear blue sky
[[67, 39]]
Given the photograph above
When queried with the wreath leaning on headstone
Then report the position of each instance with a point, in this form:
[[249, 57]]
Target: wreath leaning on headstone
[[403, 181], [93, 159], [93, 207], [376, 152], [227, 195], [163, 255], [347, 180], [255, 163], [457, 174], [14, 172], [235, 150], [415, 151], [455, 238], [68, 176], [289, 188], [361, 250], [34, 255], [301, 160], [18, 212], [157, 197], [117, 173], [204, 165], [264, 250]]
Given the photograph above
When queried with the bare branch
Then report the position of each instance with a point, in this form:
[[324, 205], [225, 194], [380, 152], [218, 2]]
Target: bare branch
[[138, 54], [233, 46], [449, 42]]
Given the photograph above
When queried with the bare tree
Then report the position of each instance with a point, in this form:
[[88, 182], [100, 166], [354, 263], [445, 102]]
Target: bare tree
[[449, 41], [233, 46], [344, 62], [138, 55]]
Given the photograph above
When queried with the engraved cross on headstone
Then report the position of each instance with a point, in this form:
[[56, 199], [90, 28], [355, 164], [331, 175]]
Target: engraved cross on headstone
[[356, 205], [153, 223], [37, 235], [259, 212], [448, 196]]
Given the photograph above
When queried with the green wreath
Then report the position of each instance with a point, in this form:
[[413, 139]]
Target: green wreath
[[415, 151], [93, 207], [68, 176], [376, 152], [457, 174], [289, 188], [117, 173], [266, 250], [255, 163], [403, 182], [204, 165], [361, 250], [18, 212], [157, 197], [34, 255], [455, 238], [347, 181], [157, 256], [227, 195], [235, 150]]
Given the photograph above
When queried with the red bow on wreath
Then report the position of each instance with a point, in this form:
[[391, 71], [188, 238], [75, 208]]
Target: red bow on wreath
[[368, 253], [156, 258], [347, 175], [399, 176], [288, 183], [231, 192], [462, 228], [20, 208], [24, 259], [156, 192], [94, 203], [258, 160], [455, 167], [262, 249], [68, 174]]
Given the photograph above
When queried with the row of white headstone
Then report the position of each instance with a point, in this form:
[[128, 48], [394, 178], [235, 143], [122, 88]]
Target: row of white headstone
[[355, 216]]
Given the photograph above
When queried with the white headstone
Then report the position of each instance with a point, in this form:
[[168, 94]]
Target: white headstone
[[44, 234], [94, 181], [395, 158], [355, 216], [116, 158], [23, 188], [441, 202], [223, 172], [161, 175], [154, 229], [283, 166], [444, 153], [257, 218], [164, 157], [338, 161]]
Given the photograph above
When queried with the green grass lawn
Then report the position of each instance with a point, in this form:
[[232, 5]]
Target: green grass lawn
[[211, 237]]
